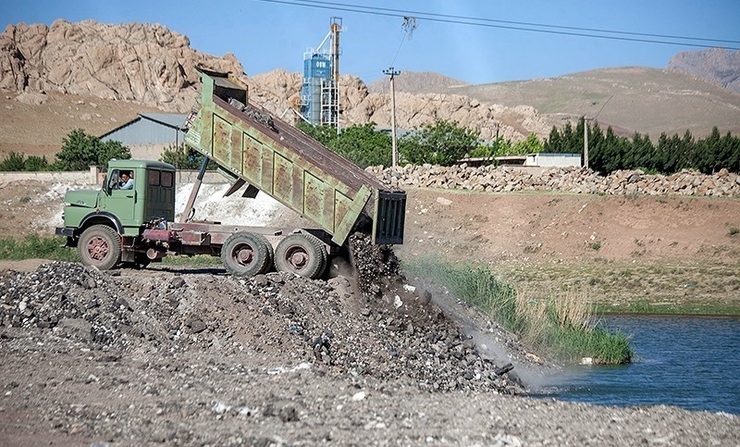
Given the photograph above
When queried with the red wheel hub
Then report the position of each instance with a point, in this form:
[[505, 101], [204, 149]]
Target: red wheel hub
[[97, 248]]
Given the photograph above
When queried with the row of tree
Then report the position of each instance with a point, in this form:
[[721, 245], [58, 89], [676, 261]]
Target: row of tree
[[608, 152], [441, 143]]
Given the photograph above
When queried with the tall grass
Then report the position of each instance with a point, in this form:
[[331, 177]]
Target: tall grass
[[560, 324], [34, 246]]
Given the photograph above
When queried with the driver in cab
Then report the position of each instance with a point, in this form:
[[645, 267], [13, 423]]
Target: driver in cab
[[127, 182]]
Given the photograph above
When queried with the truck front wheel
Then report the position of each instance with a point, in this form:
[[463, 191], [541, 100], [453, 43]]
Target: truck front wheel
[[100, 246], [302, 254], [246, 254]]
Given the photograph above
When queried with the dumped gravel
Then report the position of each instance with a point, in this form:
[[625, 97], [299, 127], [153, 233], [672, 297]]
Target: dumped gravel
[[379, 334]]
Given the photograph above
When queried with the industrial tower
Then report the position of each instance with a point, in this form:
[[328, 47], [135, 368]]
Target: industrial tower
[[320, 89]]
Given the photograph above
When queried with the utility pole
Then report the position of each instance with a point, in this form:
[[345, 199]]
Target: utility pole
[[585, 130], [585, 142], [394, 154]]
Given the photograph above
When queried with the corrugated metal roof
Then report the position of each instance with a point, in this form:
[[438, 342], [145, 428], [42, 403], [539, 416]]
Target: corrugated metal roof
[[149, 128], [173, 120]]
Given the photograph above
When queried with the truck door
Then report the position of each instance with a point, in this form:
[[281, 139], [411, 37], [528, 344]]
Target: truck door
[[121, 201], [160, 193]]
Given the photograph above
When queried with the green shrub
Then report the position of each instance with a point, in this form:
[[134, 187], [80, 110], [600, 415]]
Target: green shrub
[[14, 161], [558, 323]]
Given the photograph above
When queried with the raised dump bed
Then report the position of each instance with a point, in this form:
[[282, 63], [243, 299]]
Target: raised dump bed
[[293, 168]]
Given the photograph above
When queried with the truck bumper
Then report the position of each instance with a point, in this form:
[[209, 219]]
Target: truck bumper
[[64, 231]]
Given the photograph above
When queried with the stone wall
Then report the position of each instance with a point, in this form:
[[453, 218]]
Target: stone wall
[[570, 179], [490, 179]]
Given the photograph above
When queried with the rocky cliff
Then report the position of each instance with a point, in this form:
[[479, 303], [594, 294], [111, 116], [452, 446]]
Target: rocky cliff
[[716, 65], [132, 62]]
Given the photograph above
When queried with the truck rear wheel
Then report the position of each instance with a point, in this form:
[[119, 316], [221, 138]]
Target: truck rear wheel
[[302, 254], [246, 254], [100, 246]]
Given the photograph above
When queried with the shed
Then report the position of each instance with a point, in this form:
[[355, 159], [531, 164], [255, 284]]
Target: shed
[[149, 134], [550, 160]]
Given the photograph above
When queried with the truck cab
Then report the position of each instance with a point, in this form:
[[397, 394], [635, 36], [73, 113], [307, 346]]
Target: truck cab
[[105, 224]]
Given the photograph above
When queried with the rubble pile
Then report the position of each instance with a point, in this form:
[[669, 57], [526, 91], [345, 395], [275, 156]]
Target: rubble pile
[[389, 332], [566, 179]]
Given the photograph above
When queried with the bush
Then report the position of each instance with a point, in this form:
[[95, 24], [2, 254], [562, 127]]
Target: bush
[[13, 162], [18, 162], [183, 157]]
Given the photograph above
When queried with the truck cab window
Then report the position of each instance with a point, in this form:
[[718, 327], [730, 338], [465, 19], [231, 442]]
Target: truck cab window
[[115, 179]]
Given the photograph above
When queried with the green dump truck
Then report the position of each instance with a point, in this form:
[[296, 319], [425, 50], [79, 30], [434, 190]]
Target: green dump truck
[[259, 153]]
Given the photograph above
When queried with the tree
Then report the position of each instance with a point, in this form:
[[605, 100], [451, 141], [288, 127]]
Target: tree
[[80, 151], [359, 143], [183, 157], [442, 143], [325, 135], [530, 145], [554, 142], [364, 146]]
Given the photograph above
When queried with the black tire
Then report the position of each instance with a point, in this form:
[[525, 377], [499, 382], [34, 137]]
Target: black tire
[[100, 246], [302, 254], [141, 261], [246, 254]]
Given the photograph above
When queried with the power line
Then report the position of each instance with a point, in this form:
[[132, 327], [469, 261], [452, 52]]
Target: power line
[[515, 26], [509, 22]]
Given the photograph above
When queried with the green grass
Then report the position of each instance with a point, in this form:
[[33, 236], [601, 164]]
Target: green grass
[[53, 249], [560, 324], [645, 287], [193, 261], [33, 246]]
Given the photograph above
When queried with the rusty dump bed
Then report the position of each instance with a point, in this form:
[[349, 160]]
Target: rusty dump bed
[[285, 163]]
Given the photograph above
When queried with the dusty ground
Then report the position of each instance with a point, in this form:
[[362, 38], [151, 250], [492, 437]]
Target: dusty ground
[[194, 357]]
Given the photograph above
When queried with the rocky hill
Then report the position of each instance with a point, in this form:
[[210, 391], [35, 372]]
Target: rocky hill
[[415, 82], [716, 65], [131, 62], [96, 76]]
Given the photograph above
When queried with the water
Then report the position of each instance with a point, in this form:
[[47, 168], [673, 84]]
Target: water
[[689, 362]]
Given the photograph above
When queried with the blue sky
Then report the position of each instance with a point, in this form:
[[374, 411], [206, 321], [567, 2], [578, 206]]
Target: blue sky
[[266, 35]]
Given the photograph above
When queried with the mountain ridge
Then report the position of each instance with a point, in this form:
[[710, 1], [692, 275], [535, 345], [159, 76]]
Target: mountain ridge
[[120, 68]]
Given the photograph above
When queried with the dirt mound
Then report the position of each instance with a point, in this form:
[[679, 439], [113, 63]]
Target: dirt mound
[[378, 333]]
